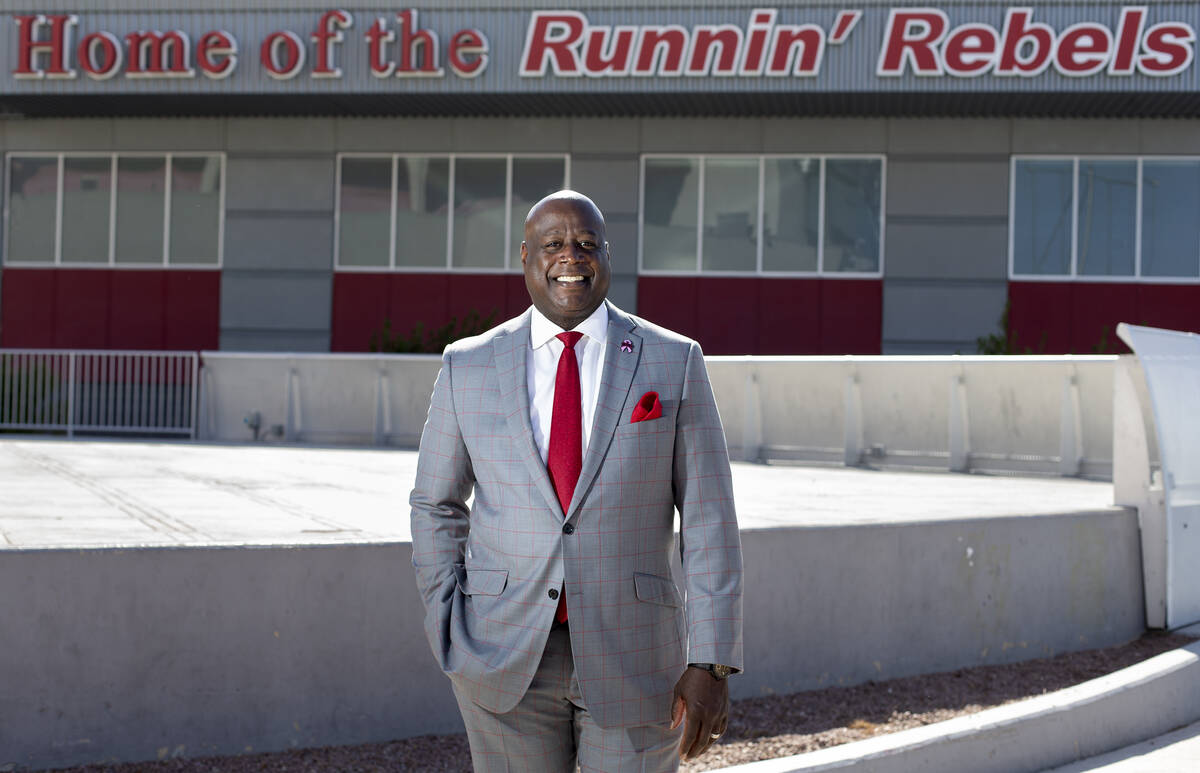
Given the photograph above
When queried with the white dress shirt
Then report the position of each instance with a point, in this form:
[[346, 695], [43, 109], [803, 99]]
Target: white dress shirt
[[541, 370]]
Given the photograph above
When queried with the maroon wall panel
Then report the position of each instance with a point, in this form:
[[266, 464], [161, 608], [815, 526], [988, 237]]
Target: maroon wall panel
[[138, 303], [361, 303], [192, 316], [109, 309], [27, 308], [1082, 317], [768, 315], [851, 316]]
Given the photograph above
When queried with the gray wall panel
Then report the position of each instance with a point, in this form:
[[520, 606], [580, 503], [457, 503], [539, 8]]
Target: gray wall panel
[[394, 135], [281, 183], [824, 135], [623, 292], [605, 135], [56, 135], [947, 250], [235, 340], [1075, 136], [950, 313], [710, 135], [949, 188], [622, 238], [273, 301], [511, 135], [281, 135], [169, 135], [1168, 136], [272, 242], [966, 136]]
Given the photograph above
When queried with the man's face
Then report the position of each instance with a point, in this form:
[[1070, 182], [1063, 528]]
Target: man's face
[[566, 261]]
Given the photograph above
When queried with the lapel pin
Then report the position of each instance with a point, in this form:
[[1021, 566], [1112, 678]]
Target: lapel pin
[[627, 345]]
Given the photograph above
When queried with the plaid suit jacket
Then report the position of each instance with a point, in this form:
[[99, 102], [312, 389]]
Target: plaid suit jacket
[[485, 570]]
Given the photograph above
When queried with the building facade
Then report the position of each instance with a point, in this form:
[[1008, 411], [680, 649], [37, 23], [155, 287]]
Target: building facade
[[804, 179]]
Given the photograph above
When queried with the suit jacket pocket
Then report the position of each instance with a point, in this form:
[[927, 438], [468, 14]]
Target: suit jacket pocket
[[656, 590], [483, 582]]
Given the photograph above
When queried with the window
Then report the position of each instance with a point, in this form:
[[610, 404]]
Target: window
[[1098, 218], [421, 212], [115, 209], [762, 215]]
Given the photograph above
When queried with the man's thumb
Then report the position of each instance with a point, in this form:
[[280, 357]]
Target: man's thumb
[[677, 711]]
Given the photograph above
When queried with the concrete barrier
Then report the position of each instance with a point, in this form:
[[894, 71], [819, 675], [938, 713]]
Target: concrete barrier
[[1045, 415], [136, 654]]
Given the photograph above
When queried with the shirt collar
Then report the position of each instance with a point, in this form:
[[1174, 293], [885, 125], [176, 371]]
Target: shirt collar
[[542, 330]]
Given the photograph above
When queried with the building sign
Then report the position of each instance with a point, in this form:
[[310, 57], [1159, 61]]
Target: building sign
[[867, 48]]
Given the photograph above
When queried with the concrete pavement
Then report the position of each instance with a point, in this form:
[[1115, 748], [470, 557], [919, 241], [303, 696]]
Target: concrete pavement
[[58, 494], [1176, 752]]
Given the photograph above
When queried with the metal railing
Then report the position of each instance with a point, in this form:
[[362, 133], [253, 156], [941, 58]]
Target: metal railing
[[110, 392]]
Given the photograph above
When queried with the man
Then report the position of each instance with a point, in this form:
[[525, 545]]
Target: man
[[549, 601]]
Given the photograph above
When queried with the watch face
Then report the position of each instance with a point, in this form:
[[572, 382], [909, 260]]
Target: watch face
[[720, 671]]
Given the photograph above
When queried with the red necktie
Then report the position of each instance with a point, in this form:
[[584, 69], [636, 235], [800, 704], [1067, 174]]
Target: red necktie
[[565, 457]]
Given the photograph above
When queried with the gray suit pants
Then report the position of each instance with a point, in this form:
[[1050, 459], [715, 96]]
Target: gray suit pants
[[551, 730]]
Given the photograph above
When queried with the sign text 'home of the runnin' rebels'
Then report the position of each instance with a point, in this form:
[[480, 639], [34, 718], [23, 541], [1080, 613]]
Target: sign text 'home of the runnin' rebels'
[[565, 44]]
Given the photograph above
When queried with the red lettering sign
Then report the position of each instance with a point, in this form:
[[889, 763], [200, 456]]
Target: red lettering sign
[[464, 44], [216, 54], [282, 54], [328, 34]]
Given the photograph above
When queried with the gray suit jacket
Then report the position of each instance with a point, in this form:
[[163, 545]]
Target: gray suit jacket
[[486, 571]]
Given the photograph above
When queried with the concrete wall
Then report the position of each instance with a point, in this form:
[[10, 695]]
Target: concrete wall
[[138, 654]]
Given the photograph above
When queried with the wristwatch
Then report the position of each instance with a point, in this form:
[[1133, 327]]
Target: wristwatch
[[717, 670]]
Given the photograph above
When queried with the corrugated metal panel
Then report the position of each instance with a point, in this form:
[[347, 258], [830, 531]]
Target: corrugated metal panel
[[847, 82]]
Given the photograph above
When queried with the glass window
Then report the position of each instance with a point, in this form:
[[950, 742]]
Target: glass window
[[364, 212], [195, 209], [1042, 217], [141, 188], [533, 179], [1107, 215], [479, 210], [791, 213], [87, 193], [853, 198], [730, 215], [422, 214], [671, 199], [32, 204], [1170, 226]]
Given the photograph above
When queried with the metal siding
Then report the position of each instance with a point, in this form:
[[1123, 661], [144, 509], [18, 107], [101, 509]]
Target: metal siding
[[848, 68]]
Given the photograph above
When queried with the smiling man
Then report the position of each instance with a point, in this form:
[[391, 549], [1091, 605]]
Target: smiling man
[[550, 600]]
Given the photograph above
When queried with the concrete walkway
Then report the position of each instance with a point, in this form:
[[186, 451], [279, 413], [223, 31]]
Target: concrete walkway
[[59, 493], [1177, 752]]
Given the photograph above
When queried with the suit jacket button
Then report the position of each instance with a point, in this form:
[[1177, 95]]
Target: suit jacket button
[[553, 593], [568, 529]]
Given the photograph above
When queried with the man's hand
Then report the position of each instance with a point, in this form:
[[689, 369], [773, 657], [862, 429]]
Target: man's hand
[[703, 701]]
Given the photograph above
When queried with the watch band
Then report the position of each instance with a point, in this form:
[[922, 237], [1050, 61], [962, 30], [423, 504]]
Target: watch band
[[718, 670]]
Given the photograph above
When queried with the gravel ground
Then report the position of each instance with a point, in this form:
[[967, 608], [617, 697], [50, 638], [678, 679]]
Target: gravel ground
[[759, 728]]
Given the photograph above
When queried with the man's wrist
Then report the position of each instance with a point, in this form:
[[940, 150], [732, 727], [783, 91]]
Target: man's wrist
[[716, 670]]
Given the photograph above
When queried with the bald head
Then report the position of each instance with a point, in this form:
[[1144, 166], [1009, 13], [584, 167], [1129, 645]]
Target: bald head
[[565, 197]]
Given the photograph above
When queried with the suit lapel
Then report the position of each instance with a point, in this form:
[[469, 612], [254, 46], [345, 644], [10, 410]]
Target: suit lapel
[[510, 351], [615, 380]]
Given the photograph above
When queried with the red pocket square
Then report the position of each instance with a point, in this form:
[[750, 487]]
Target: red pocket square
[[647, 408]]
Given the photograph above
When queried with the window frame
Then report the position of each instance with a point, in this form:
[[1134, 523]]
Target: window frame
[[762, 158], [1074, 275], [114, 157], [510, 266]]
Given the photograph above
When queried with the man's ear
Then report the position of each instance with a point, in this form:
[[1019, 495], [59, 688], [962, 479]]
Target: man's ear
[[525, 251]]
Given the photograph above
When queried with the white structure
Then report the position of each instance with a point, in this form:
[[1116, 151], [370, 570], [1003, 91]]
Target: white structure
[[1167, 496]]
